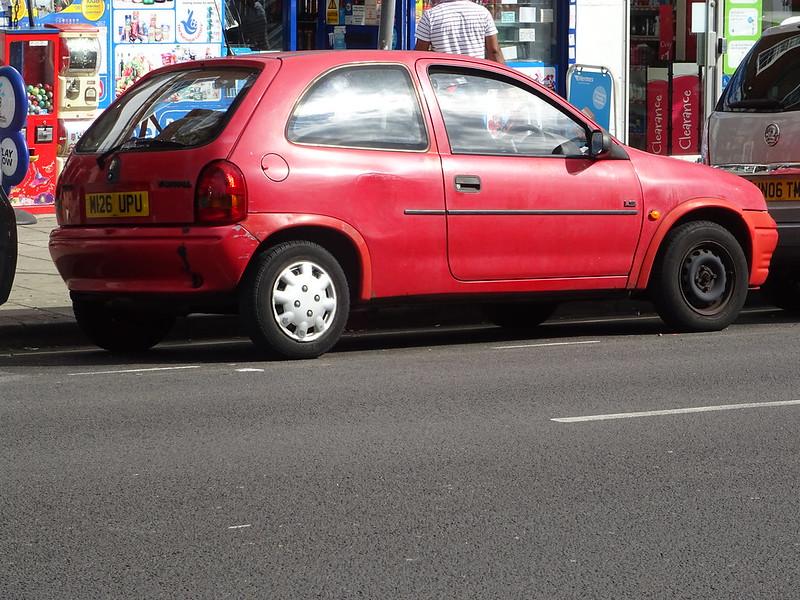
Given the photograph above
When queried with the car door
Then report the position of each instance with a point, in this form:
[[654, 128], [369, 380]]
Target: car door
[[8, 247], [523, 198]]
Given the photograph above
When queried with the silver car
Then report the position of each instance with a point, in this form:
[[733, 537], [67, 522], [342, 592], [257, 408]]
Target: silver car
[[755, 132]]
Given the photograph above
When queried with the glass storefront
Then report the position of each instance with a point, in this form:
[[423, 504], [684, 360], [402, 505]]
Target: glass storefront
[[676, 71], [254, 24]]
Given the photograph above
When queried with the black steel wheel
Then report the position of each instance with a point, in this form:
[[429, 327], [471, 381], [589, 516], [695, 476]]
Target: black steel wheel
[[700, 280], [121, 330]]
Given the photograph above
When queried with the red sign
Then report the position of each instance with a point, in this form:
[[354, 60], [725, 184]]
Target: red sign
[[685, 108], [666, 31], [657, 110]]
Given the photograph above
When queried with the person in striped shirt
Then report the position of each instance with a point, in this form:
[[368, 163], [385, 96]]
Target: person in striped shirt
[[459, 27]]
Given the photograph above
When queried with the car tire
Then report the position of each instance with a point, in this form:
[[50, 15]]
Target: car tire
[[119, 330], [519, 315], [700, 280], [783, 290], [301, 275]]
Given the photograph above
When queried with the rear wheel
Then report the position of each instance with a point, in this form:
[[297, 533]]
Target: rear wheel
[[519, 315], [121, 330], [296, 301], [700, 281]]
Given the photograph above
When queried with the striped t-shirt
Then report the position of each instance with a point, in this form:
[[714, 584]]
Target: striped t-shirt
[[457, 27]]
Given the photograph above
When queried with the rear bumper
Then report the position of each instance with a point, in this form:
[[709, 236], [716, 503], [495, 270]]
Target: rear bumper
[[161, 260], [764, 234]]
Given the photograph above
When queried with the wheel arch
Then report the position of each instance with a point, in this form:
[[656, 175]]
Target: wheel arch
[[717, 212], [338, 238]]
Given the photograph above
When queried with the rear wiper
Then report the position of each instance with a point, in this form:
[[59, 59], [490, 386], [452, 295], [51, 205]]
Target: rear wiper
[[757, 103], [137, 143]]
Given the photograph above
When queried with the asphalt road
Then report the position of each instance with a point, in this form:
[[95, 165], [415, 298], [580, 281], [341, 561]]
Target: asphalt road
[[409, 465]]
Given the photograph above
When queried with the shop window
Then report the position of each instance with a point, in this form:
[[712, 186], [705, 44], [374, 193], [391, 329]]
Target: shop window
[[361, 107], [254, 25]]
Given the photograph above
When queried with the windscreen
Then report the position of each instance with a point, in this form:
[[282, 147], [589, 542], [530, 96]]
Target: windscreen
[[768, 79], [175, 109]]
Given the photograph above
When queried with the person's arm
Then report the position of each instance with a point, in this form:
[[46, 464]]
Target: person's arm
[[423, 33], [493, 51]]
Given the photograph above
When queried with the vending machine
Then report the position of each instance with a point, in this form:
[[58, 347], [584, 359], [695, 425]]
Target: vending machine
[[78, 68], [33, 53], [79, 84]]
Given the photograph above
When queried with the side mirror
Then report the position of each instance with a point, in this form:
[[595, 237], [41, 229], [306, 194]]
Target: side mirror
[[599, 143]]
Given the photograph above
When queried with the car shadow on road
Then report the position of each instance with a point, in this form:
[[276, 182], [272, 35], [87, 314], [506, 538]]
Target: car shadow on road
[[221, 341]]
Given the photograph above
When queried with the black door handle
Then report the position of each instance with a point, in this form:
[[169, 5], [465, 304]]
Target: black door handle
[[469, 184]]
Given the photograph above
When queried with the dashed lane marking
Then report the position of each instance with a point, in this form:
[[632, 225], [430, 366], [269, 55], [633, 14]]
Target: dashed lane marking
[[545, 345], [676, 411], [149, 370]]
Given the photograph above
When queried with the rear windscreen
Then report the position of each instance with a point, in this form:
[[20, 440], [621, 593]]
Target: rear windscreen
[[173, 110], [768, 79]]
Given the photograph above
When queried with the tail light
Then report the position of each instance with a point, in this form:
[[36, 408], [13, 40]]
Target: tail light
[[221, 194]]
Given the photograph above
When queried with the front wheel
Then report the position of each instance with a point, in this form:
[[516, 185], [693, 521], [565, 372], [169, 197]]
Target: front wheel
[[700, 280], [121, 330], [296, 301]]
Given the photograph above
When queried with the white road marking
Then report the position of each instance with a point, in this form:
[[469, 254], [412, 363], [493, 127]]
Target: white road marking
[[249, 370], [240, 526], [545, 344], [676, 411], [137, 370]]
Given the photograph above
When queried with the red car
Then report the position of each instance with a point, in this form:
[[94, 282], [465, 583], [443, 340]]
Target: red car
[[294, 187]]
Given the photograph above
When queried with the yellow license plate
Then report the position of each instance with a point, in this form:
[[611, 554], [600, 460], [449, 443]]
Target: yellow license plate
[[117, 204], [778, 189]]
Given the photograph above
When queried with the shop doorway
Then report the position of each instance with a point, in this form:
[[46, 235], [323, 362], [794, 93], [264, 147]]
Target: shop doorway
[[673, 74]]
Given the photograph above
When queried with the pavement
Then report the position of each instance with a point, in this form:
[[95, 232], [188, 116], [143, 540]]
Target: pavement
[[39, 311], [39, 300]]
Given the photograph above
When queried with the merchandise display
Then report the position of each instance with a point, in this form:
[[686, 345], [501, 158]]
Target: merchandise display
[[40, 98]]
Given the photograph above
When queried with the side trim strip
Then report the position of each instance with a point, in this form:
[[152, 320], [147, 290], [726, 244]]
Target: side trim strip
[[544, 212], [423, 211]]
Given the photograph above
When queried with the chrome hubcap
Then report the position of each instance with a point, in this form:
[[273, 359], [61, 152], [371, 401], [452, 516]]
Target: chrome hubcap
[[304, 301]]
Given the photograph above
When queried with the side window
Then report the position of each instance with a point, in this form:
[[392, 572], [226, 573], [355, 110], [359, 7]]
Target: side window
[[360, 107], [484, 115]]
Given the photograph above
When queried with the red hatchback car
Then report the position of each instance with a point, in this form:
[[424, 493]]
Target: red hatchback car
[[294, 187]]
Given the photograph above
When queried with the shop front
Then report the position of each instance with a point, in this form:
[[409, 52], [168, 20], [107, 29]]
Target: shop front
[[670, 61]]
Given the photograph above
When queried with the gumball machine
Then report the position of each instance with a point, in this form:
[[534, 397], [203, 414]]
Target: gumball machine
[[33, 53], [78, 65]]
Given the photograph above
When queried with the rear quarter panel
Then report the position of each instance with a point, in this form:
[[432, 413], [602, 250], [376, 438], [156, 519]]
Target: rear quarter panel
[[366, 191]]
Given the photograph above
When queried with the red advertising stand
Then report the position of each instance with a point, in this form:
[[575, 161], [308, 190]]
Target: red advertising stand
[[686, 113], [33, 53], [657, 110]]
